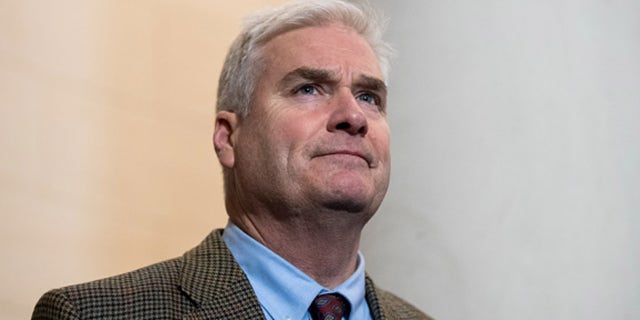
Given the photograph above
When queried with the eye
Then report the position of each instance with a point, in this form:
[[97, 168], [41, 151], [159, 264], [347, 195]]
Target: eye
[[369, 98], [306, 89]]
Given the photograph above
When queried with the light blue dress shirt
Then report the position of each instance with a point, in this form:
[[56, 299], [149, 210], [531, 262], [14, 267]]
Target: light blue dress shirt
[[285, 292]]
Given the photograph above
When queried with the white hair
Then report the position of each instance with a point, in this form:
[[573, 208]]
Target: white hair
[[244, 60]]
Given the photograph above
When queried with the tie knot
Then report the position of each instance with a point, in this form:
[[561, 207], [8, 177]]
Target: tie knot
[[329, 307]]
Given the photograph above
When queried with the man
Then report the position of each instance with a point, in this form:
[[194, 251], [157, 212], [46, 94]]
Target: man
[[302, 136]]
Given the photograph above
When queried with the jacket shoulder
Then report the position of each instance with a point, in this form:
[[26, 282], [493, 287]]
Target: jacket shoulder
[[151, 292], [54, 305]]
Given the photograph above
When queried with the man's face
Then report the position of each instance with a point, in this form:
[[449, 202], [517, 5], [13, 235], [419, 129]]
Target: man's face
[[317, 134]]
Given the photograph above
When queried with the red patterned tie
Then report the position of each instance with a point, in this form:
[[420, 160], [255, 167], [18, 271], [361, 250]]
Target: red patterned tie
[[329, 307]]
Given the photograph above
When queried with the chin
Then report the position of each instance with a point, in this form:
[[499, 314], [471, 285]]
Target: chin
[[346, 192], [349, 198]]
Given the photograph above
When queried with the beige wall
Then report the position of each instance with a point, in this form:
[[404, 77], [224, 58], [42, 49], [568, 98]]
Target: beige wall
[[106, 115]]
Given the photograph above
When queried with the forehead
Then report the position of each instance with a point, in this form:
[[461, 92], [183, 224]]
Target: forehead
[[333, 47]]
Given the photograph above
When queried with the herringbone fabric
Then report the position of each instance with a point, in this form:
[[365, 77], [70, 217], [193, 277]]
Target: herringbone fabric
[[329, 307], [205, 283]]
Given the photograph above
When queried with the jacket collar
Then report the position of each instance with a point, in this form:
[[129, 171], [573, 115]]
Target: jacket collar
[[216, 283], [377, 312], [219, 288]]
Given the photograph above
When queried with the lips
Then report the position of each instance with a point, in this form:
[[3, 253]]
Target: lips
[[366, 156]]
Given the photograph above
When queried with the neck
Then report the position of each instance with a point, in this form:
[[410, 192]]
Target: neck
[[323, 245]]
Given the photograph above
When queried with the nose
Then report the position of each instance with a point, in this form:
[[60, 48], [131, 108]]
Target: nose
[[347, 115]]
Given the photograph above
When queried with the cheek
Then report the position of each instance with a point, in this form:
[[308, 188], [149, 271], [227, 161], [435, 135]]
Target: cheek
[[298, 130], [287, 143], [381, 140]]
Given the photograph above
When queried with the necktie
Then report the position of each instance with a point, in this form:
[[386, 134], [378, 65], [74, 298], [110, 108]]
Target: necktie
[[329, 307]]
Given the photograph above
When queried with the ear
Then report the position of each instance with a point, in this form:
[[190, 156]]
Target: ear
[[224, 137]]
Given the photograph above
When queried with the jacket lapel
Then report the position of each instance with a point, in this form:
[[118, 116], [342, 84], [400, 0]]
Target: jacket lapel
[[377, 312], [216, 283]]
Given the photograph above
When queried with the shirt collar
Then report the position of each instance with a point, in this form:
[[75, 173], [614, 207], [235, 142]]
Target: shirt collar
[[282, 289]]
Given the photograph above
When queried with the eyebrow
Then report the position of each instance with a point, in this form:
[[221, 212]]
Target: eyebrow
[[371, 83], [315, 75]]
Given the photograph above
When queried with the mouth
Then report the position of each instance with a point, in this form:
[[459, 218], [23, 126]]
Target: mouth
[[367, 157]]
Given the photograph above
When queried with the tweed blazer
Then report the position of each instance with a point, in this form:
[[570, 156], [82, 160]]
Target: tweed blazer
[[205, 283]]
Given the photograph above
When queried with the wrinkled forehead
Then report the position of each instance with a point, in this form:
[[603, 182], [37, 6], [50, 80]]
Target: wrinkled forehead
[[337, 49]]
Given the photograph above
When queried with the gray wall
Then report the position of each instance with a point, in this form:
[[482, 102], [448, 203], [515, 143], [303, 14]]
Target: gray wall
[[515, 187]]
